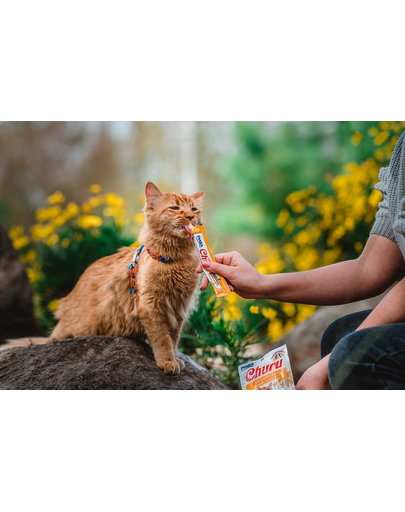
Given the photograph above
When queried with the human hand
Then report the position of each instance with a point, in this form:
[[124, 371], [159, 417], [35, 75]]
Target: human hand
[[242, 278], [316, 377]]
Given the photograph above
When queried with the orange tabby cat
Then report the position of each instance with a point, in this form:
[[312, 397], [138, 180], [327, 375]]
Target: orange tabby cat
[[101, 302]]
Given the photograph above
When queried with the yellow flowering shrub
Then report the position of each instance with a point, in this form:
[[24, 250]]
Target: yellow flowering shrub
[[66, 238], [321, 229]]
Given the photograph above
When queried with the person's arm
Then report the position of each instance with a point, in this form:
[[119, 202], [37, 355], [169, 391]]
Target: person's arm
[[377, 268], [390, 310]]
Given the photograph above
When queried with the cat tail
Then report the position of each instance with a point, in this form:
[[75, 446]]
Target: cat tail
[[23, 342]]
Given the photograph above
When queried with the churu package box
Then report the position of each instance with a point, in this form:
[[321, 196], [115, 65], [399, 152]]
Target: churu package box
[[271, 372]]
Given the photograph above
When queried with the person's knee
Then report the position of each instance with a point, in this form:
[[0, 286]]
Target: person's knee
[[372, 358], [341, 328], [342, 369]]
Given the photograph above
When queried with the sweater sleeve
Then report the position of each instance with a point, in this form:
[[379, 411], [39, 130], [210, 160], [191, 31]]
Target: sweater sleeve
[[385, 216]]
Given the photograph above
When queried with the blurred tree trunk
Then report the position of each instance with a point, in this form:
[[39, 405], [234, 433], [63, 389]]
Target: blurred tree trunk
[[188, 157]]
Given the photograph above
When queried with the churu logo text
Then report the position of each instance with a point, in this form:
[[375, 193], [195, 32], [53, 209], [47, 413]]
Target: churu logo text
[[259, 371]]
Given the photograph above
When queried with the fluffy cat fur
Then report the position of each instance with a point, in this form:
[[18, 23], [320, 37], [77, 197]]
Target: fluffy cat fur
[[101, 304]]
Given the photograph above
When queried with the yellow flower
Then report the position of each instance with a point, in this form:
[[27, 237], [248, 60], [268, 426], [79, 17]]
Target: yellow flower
[[113, 212], [86, 208], [139, 218], [232, 313], [56, 198], [254, 310], [95, 189], [304, 312], [289, 228], [356, 138], [30, 257], [358, 246], [19, 243], [231, 299], [90, 221], [114, 200], [95, 201], [302, 221], [53, 239], [269, 313], [282, 218], [32, 275], [306, 259], [288, 308], [290, 249], [72, 210], [44, 214], [349, 224], [384, 125], [374, 198], [53, 305], [59, 221], [16, 232], [275, 329], [39, 232], [379, 154], [381, 138], [65, 242]]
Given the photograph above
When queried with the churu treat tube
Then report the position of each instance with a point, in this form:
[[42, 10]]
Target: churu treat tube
[[219, 283], [272, 371]]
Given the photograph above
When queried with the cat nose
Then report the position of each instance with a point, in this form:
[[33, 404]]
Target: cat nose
[[190, 216]]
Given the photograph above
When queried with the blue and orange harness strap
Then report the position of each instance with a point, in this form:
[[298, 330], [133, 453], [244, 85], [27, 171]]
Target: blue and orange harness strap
[[135, 259], [132, 268]]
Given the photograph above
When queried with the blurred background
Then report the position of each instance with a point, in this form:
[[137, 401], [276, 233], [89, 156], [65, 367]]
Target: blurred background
[[246, 169], [287, 195]]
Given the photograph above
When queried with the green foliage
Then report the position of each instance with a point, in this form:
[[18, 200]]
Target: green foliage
[[271, 162], [220, 343]]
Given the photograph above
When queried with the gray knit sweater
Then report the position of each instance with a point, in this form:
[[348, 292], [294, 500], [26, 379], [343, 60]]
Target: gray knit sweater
[[390, 217]]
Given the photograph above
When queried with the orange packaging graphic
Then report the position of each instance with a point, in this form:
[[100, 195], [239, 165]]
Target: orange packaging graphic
[[272, 371], [219, 283]]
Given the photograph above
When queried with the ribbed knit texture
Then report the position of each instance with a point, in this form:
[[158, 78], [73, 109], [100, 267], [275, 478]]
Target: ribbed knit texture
[[390, 217]]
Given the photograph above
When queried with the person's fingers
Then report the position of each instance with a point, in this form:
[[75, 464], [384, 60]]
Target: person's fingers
[[204, 283], [199, 269], [218, 268], [225, 258]]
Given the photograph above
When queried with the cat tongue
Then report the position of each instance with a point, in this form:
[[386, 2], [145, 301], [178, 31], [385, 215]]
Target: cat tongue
[[189, 231]]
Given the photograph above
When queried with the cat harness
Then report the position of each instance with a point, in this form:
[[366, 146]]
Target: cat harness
[[132, 267]]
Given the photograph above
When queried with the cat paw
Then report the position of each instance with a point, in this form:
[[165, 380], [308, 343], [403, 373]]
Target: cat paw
[[169, 367], [180, 363]]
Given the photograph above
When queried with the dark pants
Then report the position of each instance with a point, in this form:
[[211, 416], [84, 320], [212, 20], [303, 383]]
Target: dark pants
[[372, 358]]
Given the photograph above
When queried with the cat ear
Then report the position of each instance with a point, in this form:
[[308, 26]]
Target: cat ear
[[152, 193], [197, 195]]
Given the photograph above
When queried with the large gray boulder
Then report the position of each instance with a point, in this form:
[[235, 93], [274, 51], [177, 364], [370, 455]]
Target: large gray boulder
[[16, 307], [96, 363]]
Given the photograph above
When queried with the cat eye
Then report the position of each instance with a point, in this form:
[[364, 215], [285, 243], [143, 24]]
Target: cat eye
[[174, 208], [194, 209]]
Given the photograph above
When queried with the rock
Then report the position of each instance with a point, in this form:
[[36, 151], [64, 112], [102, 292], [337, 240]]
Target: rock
[[96, 363], [16, 308], [303, 341]]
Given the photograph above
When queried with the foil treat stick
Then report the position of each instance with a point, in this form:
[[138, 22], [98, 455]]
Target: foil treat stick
[[218, 282]]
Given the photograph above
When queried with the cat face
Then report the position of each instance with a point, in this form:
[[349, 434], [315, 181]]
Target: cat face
[[170, 213]]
